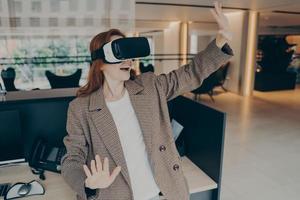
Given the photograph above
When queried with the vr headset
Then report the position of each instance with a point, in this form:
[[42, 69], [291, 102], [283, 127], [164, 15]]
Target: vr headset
[[122, 49]]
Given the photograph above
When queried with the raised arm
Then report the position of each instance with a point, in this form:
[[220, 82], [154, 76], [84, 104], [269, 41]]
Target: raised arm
[[191, 76]]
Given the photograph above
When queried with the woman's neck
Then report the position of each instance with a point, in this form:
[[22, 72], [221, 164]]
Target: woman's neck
[[113, 90]]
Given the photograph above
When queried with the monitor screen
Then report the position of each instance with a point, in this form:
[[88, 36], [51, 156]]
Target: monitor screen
[[11, 145]]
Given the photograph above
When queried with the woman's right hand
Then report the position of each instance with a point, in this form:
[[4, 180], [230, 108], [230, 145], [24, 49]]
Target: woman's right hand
[[99, 176]]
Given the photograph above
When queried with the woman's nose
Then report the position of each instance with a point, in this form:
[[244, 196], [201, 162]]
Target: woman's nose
[[128, 61]]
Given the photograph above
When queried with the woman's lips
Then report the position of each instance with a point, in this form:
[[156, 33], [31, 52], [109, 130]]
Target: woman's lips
[[125, 68]]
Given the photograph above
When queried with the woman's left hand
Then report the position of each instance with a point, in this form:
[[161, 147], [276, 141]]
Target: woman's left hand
[[224, 34]]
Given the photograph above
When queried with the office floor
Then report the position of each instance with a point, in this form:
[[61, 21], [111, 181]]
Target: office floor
[[262, 145]]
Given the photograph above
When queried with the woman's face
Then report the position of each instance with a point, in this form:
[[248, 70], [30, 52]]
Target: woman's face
[[119, 71]]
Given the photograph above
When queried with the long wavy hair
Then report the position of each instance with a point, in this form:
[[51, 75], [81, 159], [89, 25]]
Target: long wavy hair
[[96, 75]]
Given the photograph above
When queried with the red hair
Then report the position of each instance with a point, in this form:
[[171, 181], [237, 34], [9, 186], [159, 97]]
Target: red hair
[[95, 75]]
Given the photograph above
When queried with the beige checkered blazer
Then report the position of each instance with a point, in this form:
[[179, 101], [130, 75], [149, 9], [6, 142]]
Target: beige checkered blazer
[[91, 129]]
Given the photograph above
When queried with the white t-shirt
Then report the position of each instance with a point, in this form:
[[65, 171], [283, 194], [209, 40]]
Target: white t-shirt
[[143, 184]]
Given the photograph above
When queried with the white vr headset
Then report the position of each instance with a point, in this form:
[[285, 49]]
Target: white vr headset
[[122, 49]]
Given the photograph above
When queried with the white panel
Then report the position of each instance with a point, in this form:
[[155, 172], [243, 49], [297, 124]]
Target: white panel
[[250, 4]]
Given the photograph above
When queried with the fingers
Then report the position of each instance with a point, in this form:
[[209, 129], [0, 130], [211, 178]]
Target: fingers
[[219, 16], [115, 173], [93, 167], [218, 7], [96, 166], [218, 10], [216, 16], [106, 165], [87, 171], [98, 163], [213, 12]]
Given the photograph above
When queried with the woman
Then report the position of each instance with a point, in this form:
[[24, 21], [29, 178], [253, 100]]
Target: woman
[[124, 119]]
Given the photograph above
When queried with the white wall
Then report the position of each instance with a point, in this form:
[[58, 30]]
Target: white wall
[[239, 24], [171, 46], [158, 49], [167, 42]]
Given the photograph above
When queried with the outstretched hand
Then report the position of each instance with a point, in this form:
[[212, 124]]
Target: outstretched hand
[[224, 34], [99, 175]]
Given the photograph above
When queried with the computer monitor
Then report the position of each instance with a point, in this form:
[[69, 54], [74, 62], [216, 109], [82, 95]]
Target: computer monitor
[[11, 145]]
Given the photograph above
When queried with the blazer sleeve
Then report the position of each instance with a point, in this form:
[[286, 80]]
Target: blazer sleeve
[[72, 162], [190, 76]]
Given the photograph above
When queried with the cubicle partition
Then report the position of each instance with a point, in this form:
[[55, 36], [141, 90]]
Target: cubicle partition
[[201, 139], [200, 143], [40, 117]]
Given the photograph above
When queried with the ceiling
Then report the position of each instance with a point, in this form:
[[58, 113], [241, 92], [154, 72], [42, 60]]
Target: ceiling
[[144, 15], [287, 5], [272, 12]]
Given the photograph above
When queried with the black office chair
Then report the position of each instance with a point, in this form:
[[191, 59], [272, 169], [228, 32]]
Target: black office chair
[[64, 81], [8, 76], [214, 80], [221, 75], [206, 87], [148, 68]]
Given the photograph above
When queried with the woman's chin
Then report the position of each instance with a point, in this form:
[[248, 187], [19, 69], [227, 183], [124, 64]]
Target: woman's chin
[[125, 77]]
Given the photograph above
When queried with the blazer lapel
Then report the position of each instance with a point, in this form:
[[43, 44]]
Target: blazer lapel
[[107, 129]]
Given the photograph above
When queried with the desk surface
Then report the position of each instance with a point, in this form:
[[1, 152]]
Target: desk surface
[[197, 180], [56, 187], [39, 94], [54, 184]]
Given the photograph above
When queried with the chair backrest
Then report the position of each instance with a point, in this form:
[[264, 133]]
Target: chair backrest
[[64, 81], [148, 68], [215, 79], [221, 74], [206, 86], [8, 76]]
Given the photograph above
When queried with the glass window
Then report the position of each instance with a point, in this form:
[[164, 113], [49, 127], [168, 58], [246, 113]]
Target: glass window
[[14, 6], [71, 22], [53, 35], [53, 22], [88, 21], [36, 6], [15, 21], [91, 5], [34, 21], [31, 57], [54, 6], [73, 5]]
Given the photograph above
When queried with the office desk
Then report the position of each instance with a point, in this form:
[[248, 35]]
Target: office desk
[[40, 94], [197, 180], [56, 188]]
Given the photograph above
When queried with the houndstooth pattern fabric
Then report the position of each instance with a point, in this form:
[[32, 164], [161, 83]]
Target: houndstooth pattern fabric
[[92, 198], [91, 129], [155, 198]]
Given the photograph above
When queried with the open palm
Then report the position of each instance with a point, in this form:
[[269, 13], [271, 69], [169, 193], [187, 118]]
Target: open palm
[[224, 33], [99, 176]]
